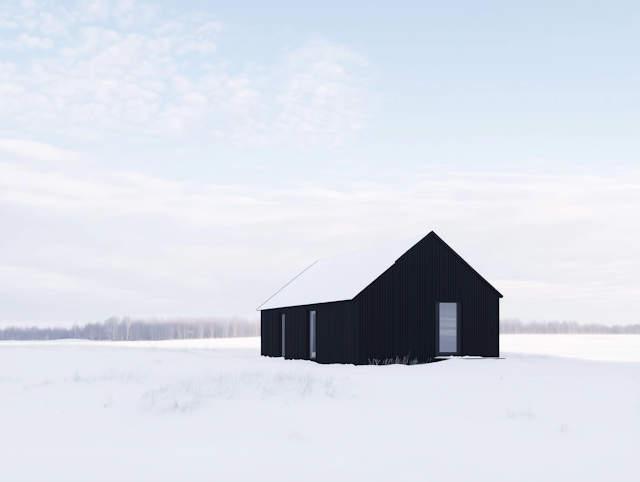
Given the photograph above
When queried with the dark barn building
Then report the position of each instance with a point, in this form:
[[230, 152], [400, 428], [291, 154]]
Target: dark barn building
[[414, 298]]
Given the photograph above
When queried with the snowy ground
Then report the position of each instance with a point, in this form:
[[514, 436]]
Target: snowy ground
[[558, 408]]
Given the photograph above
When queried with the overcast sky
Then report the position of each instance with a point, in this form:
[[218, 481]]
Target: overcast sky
[[158, 159]]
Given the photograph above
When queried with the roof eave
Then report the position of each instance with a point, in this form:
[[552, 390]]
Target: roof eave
[[468, 265]]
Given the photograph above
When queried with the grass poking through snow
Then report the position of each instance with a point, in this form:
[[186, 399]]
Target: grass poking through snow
[[186, 393]]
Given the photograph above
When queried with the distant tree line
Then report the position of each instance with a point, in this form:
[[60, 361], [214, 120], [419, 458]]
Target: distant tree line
[[515, 326], [186, 328], [130, 329]]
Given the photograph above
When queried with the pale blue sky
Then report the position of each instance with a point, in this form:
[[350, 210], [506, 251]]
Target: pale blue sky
[[157, 159]]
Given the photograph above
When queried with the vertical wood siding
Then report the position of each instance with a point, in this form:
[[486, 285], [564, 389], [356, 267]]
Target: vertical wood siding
[[335, 332], [395, 316]]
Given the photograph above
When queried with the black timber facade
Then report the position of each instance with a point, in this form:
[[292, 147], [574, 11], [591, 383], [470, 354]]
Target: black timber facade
[[396, 315]]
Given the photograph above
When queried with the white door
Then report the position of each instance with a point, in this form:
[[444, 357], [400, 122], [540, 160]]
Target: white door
[[283, 335]]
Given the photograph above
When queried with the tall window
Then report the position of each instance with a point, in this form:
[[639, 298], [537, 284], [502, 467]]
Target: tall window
[[448, 328], [312, 334], [282, 334]]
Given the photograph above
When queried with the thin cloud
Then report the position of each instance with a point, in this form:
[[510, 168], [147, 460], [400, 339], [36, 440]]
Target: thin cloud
[[319, 99], [36, 150], [106, 69], [558, 247]]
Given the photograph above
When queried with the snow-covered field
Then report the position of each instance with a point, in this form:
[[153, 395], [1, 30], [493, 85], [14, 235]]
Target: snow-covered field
[[557, 408]]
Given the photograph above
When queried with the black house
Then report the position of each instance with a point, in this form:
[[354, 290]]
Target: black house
[[414, 298]]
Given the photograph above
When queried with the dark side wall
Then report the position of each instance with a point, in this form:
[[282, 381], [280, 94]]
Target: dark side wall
[[335, 332], [395, 316]]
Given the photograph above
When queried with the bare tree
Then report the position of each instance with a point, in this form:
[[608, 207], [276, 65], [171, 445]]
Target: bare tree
[[129, 329], [126, 321], [515, 326], [111, 328]]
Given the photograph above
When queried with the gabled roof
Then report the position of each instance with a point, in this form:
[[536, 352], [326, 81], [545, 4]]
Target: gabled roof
[[343, 277], [339, 278]]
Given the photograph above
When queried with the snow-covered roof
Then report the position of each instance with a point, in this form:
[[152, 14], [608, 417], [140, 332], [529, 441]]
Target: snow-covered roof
[[339, 278]]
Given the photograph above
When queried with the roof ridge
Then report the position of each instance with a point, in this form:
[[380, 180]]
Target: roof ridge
[[375, 247], [340, 277]]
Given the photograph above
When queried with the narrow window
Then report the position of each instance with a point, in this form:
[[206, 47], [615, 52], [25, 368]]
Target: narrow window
[[448, 328], [282, 335], [312, 334]]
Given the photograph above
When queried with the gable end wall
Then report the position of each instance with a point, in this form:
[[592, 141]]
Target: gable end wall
[[398, 310]]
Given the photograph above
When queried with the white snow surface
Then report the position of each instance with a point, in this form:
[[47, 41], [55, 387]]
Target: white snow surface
[[339, 278], [624, 348], [209, 410]]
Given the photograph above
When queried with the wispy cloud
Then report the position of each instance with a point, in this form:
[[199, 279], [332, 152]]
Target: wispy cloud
[[318, 98], [558, 246], [104, 69], [82, 237], [35, 150]]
